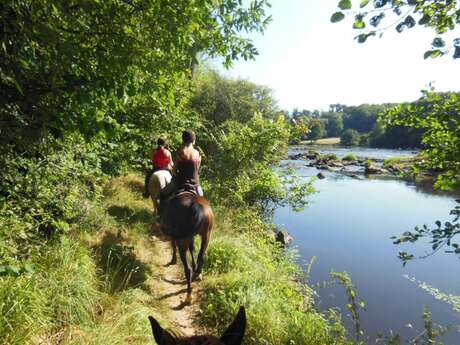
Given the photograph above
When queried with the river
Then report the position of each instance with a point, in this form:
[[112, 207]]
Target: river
[[348, 226]]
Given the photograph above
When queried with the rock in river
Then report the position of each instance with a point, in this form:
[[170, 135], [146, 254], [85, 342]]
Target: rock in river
[[284, 237], [374, 170], [320, 175]]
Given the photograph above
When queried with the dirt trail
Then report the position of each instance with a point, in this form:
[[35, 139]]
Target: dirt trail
[[172, 287], [167, 282]]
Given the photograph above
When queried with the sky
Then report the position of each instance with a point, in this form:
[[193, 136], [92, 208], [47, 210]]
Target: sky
[[311, 63]]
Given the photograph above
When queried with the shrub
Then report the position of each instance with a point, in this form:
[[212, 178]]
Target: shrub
[[350, 157], [62, 290], [350, 137]]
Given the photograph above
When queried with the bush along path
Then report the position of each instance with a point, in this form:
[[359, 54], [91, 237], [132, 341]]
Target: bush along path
[[98, 282]]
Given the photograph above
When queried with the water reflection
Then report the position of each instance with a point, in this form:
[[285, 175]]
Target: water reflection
[[348, 226]]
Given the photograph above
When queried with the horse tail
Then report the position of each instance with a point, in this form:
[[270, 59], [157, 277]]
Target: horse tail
[[207, 216], [187, 215], [198, 214]]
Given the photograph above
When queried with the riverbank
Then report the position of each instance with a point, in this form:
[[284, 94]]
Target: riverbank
[[97, 283], [408, 167], [246, 266], [348, 226], [323, 141]]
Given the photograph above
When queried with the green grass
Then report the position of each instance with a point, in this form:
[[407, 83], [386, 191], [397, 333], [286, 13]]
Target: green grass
[[96, 283], [350, 157], [245, 267], [398, 161], [93, 284], [62, 290]]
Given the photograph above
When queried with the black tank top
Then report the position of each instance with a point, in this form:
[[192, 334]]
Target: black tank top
[[187, 172]]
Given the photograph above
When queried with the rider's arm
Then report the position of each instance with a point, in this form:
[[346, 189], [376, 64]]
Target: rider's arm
[[198, 158], [178, 160], [171, 163]]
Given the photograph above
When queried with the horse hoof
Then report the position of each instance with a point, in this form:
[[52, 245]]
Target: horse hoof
[[199, 277], [188, 299]]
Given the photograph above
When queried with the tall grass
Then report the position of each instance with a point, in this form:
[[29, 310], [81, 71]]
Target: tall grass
[[245, 267], [88, 285], [63, 290]]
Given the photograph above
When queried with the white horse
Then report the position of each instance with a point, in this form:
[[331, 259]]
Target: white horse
[[158, 181]]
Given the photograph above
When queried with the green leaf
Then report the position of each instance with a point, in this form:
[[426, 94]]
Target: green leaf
[[345, 4], [359, 24], [438, 42], [337, 17], [363, 3], [424, 20], [29, 268], [12, 270], [14, 83], [433, 54], [363, 37]]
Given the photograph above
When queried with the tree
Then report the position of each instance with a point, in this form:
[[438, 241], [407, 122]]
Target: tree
[[84, 84], [395, 137], [363, 117], [317, 129], [375, 17], [334, 123], [349, 137], [438, 115], [75, 65], [336, 108], [219, 98]]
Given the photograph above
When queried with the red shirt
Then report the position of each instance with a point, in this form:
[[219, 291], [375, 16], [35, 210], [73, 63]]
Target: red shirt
[[161, 159]]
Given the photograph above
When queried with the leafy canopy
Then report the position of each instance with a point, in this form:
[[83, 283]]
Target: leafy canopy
[[438, 114], [74, 65], [219, 99], [375, 17]]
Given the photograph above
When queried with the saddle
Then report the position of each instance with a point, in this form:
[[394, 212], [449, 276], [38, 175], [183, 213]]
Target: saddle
[[186, 188], [183, 189]]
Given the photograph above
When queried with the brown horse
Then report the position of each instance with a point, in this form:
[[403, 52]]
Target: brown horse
[[232, 336], [183, 217]]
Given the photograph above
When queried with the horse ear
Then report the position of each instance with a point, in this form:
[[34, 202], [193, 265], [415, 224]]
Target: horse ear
[[162, 337], [234, 334]]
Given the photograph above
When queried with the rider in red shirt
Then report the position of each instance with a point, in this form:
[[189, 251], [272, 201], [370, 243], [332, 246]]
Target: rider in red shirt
[[161, 160], [161, 157]]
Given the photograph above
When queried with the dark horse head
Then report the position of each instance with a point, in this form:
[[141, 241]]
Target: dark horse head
[[232, 336], [183, 217]]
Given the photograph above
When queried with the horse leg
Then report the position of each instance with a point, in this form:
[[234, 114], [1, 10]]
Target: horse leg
[[183, 245], [155, 205], [205, 237], [174, 254], [191, 247]]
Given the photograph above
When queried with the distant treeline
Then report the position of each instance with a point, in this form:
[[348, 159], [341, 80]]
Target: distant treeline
[[356, 125]]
